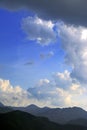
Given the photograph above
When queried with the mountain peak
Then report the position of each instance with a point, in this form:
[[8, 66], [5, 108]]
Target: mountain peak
[[32, 106]]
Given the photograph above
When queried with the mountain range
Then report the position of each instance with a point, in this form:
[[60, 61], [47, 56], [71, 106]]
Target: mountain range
[[63, 116], [57, 115]]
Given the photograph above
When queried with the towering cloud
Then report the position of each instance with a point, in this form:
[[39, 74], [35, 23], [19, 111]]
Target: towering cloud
[[74, 43], [60, 92]]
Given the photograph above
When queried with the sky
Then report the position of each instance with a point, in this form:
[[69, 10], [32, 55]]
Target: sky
[[43, 53]]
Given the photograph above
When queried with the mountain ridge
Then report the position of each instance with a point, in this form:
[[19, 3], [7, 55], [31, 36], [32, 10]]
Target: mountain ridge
[[57, 115]]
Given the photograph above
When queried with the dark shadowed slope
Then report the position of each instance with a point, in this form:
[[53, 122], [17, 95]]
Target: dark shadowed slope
[[4, 109], [18, 120], [80, 121]]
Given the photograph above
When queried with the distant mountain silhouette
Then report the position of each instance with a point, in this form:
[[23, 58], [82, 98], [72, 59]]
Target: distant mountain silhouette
[[1, 105], [73, 115], [33, 109], [57, 115], [18, 120]]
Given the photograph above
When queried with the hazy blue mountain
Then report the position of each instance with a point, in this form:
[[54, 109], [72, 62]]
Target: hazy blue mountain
[[64, 115], [18, 120], [58, 115]]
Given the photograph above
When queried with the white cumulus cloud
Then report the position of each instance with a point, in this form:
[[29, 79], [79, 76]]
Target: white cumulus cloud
[[39, 30], [14, 96]]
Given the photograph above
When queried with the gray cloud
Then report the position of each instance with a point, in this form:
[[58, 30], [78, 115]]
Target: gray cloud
[[46, 55], [72, 11]]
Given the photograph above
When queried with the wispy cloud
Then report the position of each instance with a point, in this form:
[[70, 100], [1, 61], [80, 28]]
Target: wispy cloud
[[29, 63], [46, 55]]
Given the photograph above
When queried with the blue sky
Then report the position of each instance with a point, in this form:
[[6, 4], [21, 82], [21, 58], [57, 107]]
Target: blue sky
[[16, 51], [43, 53]]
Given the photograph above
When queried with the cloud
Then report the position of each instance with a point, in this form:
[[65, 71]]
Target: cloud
[[29, 63], [39, 30], [50, 54], [61, 91], [63, 79], [45, 93], [74, 43], [72, 11], [43, 82], [46, 55], [14, 96], [42, 55]]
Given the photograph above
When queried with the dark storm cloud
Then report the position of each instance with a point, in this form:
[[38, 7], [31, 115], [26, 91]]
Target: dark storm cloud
[[72, 11]]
